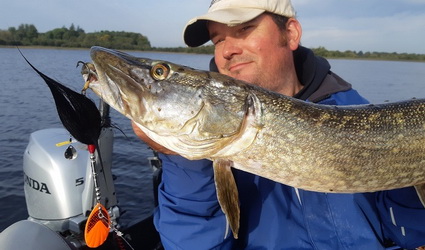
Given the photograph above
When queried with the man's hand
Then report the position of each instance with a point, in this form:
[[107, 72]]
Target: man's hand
[[155, 146]]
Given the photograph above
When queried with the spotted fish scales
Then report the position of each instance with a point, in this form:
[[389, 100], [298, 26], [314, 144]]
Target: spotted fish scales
[[200, 114]]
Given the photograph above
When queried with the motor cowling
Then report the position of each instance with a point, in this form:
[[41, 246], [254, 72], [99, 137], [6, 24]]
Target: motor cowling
[[54, 175], [36, 237]]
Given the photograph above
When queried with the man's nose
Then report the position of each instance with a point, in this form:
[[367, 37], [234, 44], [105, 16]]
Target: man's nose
[[231, 48]]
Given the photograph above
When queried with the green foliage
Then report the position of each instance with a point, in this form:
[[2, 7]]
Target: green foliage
[[206, 49], [321, 51], [27, 34], [75, 37]]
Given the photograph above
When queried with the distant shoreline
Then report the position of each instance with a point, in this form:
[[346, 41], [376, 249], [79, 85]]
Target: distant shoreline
[[76, 48], [27, 36], [176, 50]]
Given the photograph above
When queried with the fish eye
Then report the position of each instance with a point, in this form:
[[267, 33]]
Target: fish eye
[[160, 71]]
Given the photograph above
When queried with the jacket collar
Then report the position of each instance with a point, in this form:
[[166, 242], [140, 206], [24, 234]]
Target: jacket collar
[[311, 71]]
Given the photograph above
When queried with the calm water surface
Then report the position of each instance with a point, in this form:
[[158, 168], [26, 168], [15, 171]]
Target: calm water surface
[[26, 105]]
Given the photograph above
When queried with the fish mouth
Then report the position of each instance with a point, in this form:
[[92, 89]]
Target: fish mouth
[[98, 81], [88, 70], [111, 76]]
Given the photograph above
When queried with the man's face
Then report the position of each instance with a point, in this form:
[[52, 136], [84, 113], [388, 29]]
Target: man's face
[[255, 51]]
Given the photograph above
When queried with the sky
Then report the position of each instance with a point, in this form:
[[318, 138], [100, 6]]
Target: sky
[[358, 25]]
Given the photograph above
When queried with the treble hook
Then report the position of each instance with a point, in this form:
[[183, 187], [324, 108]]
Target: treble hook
[[89, 70]]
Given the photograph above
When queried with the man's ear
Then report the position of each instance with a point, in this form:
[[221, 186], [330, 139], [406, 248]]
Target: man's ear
[[293, 33]]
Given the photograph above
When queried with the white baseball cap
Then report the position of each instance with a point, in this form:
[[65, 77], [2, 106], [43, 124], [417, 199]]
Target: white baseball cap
[[232, 13]]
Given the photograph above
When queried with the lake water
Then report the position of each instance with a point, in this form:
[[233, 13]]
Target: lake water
[[26, 105]]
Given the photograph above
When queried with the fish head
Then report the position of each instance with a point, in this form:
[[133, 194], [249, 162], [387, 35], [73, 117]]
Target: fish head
[[183, 109], [137, 88]]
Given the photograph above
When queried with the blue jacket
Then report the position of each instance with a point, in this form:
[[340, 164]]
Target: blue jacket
[[276, 216]]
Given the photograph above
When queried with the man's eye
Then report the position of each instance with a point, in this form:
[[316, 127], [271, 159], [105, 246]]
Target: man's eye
[[217, 41], [245, 28]]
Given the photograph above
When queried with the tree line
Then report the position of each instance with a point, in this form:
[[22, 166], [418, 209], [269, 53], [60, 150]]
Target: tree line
[[73, 37], [76, 37], [323, 52]]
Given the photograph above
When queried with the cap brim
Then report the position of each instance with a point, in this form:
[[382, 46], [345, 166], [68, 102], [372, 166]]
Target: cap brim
[[196, 32]]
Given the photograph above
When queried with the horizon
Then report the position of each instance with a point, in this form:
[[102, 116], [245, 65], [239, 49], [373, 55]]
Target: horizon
[[356, 25]]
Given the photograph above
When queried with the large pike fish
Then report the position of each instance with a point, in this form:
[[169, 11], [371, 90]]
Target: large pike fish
[[201, 114]]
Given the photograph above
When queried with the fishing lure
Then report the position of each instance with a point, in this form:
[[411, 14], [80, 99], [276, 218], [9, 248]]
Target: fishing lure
[[81, 117], [98, 223]]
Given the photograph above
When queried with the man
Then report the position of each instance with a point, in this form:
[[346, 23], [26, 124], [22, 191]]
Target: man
[[258, 41]]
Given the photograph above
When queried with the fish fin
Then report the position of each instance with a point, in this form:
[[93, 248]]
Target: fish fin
[[227, 193], [420, 189]]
